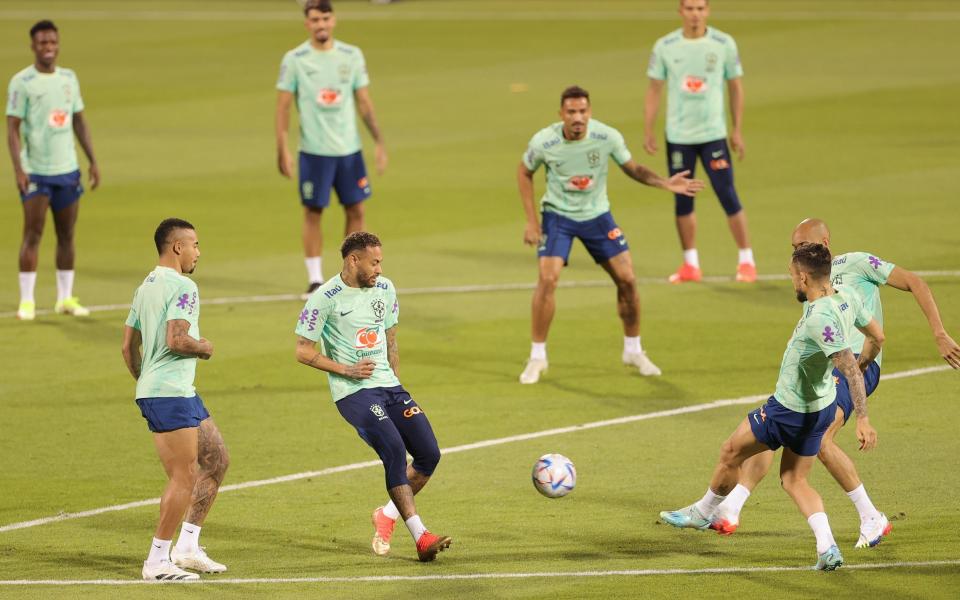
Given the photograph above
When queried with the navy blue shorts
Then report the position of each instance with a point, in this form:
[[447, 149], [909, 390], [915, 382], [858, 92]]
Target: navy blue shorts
[[391, 423], [775, 425], [63, 190], [171, 413], [716, 159], [346, 174], [871, 379], [600, 235]]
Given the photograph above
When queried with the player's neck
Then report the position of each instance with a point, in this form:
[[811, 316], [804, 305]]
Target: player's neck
[[573, 137], [692, 33], [170, 262], [819, 290], [322, 46], [349, 279], [42, 68]]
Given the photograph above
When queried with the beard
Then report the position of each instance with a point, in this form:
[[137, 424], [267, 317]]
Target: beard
[[801, 296]]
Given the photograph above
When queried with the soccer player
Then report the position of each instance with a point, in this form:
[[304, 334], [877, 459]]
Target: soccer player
[[694, 62], [803, 405], [356, 314], [327, 78], [164, 320], [864, 273], [44, 112], [575, 153]]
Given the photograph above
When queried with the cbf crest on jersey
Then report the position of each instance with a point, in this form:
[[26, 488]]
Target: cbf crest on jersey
[[379, 308]]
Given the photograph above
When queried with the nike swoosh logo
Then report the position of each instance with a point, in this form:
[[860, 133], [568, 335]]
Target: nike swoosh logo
[[718, 154], [343, 314], [408, 401], [187, 530], [156, 546]]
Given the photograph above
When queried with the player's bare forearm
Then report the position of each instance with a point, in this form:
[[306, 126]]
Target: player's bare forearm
[[846, 363], [873, 343], [640, 173], [82, 132], [525, 186], [367, 114], [13, 142], [393, 351], [651, 105], [131, 350], [735, 88], [181, 342], [909, 281], [282, 118], [308, 354]]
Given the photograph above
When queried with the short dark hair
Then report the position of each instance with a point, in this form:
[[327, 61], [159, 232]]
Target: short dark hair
[[814, 259], [45, 25], [574, 91], [324, 6], [359, 240], [166, 227]]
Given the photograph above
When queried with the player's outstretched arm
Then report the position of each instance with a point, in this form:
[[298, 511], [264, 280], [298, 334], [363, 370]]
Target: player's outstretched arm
[[131, 350], [650, 108], [678, 184], [846, 363], [909, 281], [13, 143], [282, 124], [82, 132], [308, 354], [872, 344], [393, 351], [181, 342], [532, 232], [365, 108]]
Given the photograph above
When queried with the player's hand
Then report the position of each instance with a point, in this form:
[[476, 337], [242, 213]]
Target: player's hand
[[94, 176], [949, 350], [380, 158], [207, 349], [650, 144], [360, 370], [23, 181], [866, 434], [681, 184], [532, 234], [736, 143], [285, 163]]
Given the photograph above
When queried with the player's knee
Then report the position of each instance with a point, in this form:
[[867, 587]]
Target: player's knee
[[626, 283], [683, 206], [729, 201], [548, 281], [728, 454], [426, 460], [32, 236]]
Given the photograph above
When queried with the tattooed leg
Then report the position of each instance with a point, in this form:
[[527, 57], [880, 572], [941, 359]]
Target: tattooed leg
[[213, 459]]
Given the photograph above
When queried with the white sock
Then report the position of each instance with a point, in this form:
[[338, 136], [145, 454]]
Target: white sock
[[733, 503], [709, 503], [691, 257], [314, 268], [416, 527], [28, 281], [64, 284], [746, 256], [390, 511], [538, 351], [632, 345], [862, 501], [821, 528], [159, 551], [189, 537]]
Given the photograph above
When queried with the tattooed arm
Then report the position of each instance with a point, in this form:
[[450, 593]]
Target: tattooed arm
[[180, 341], [131, 350], [393, 351], [846, 363], [308, 354], [678, 183]]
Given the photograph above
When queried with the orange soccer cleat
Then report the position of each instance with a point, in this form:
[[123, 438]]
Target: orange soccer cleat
[[746, 272], [686, 272]]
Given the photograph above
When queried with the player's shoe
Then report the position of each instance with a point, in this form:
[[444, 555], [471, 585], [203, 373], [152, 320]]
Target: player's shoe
[[686, 272], [686, 518], [724, 525], [429, 545], [314, 286], [641, 362], [746, 272], [166, 571], [196, 560], [384, 531], [71, 306], [830, 560], [873, 530], [27, 310], [531, 373]]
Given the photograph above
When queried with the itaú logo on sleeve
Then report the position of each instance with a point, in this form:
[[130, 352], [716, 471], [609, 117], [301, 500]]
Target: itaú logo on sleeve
[[580, 183], [329, 98], [367, 338]]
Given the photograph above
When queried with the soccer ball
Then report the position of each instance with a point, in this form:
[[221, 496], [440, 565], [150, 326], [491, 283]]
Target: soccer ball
[[554, 475]]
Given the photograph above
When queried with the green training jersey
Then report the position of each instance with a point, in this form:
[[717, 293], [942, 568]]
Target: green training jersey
[[165, 295], [46, 103], [864, 273], [576, 170], [323, 82], [695, 71], [806, 373], [352, 323]]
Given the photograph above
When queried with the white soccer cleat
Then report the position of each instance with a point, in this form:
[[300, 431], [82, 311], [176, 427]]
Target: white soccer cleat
[[196, 560], [531, 373], [642, 363], [166, 571], [872, 531]]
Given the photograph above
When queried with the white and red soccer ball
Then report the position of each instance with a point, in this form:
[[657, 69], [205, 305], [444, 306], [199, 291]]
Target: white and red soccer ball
[[554, 475]]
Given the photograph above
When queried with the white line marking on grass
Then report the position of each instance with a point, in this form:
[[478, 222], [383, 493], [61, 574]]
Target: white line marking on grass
[[452, 450], [463, 576], [464, 289]]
